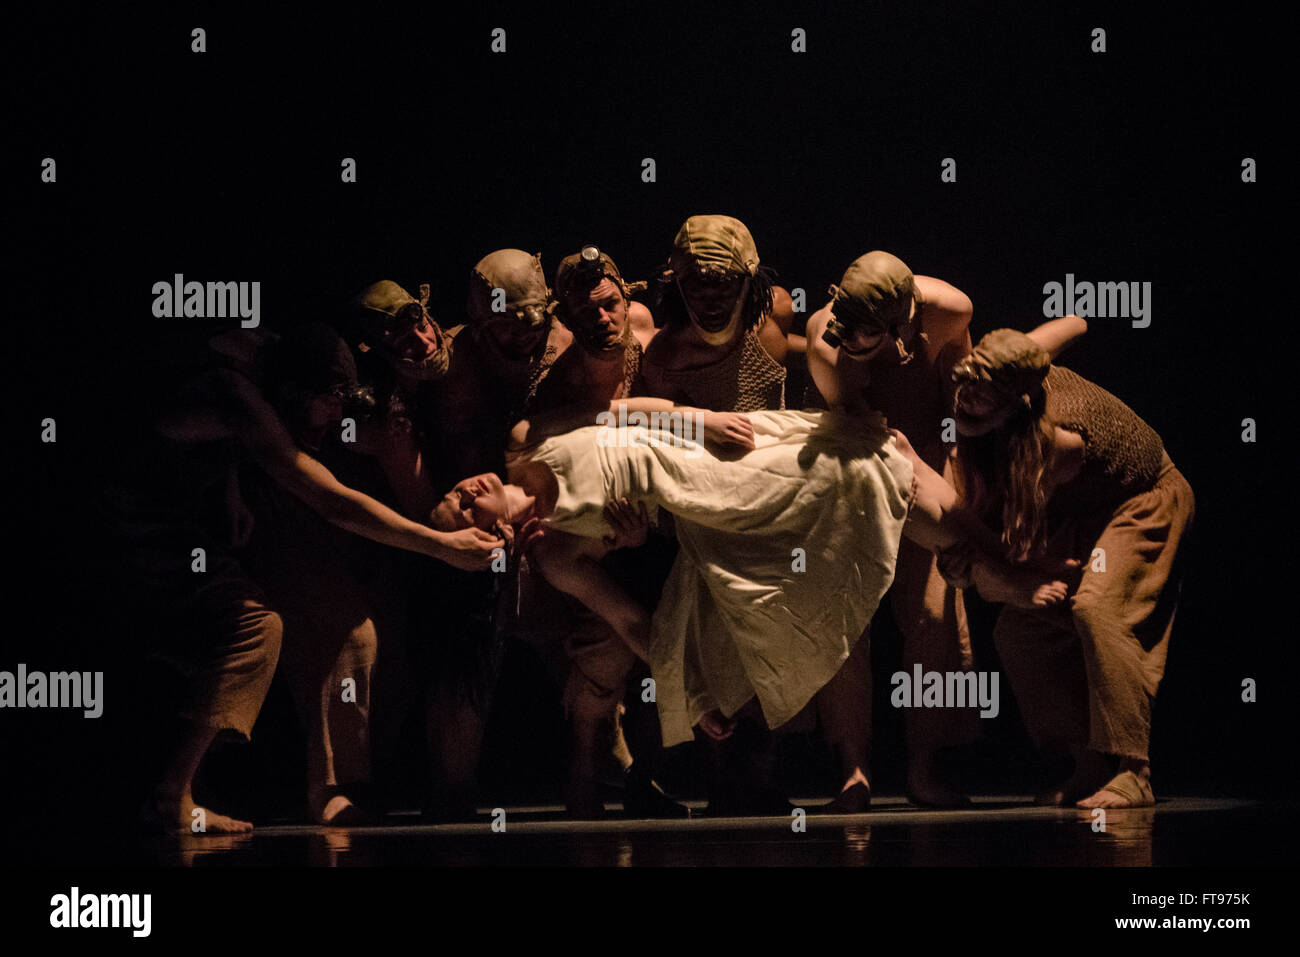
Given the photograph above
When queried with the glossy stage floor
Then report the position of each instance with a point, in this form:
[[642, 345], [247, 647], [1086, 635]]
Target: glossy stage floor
[[996, 831]]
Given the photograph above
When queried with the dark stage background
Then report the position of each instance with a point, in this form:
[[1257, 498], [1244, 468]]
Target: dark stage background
[[1122, 166]]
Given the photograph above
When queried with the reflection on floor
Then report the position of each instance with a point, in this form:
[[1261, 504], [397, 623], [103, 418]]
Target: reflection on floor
[[998, 831]]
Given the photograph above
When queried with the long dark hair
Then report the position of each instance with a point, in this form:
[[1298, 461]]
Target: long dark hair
[[670, 310], [1000, 477]]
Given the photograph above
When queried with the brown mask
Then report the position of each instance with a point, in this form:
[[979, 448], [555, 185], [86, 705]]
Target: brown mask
[[523, 309], [399, 328]]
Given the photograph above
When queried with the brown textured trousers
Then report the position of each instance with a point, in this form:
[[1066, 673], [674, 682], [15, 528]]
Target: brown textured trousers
[[1087, 671], [214, 626]]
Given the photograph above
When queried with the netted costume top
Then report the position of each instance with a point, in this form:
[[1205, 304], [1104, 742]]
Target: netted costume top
[[536, 373], [632, 354], [746, 379], [1122, 455]]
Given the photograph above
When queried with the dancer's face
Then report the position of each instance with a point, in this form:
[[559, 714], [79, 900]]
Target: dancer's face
[[517, 337], [873, 343], [981, 408], [864, 344], [711, 299], [598, 317], [484, 501], [414, 344]]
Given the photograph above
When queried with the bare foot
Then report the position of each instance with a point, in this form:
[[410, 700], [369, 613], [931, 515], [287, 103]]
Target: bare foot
[[1051, 797], [1129, 788], [339, 811], [854, 797], [1090, 770], [178, 816], [644, 798]]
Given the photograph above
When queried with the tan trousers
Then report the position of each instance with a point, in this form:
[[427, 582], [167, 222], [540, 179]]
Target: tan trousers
[[216, 627], [233, 664], [1087, 671], [577, 646]]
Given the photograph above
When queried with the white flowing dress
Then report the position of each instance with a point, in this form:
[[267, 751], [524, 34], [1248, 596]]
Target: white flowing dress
[[786, 551]]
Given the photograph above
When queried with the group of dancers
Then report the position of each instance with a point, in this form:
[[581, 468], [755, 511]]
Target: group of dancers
[[374, 505]]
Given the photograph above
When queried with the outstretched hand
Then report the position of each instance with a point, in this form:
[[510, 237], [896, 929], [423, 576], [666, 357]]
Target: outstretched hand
[[471, 549]]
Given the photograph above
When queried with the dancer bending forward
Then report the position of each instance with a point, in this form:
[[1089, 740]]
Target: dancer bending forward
[[1070, 474]]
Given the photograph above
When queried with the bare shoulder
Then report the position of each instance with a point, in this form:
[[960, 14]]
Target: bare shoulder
[[1067, 454], [945, 313], [642, 323], [930, 289], [816, 344], [662, 351], [517, 444], [782, 309], [1065, 440], [773, 340], [942, 298]]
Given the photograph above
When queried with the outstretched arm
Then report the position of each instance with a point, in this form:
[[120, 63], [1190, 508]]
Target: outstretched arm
[[1055, 335], [251, 420], [726, 427]]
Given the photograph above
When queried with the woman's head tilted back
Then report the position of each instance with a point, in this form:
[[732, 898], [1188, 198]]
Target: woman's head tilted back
[[483, 501]]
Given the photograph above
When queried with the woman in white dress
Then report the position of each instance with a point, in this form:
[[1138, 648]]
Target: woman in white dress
[[789, 524]]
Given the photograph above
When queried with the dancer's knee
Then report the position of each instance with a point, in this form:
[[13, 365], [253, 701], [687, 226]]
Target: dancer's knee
[[270, 637], [361, 648]]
